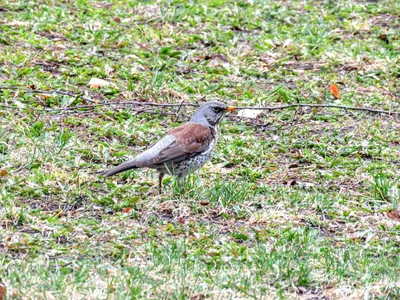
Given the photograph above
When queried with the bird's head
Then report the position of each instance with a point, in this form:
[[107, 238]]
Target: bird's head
[[212, 112]]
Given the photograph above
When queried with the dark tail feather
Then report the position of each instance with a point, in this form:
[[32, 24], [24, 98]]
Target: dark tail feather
[[122, 167]]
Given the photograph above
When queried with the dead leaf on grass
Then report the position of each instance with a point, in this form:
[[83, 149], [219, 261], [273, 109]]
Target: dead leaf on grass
[[350, 66], [103, 5], [384, 37], [126, 210], [3, 173], [394, 215], [243, 47], [335, 91], [94, 26], [98, 83], [2, 292], [56, 48], [122, 44], [45, 96], [18, 23], [375, 65], [249, 113], [198, 297], [216, 60]]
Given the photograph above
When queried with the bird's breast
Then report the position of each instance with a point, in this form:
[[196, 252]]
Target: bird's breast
[[213, 142]]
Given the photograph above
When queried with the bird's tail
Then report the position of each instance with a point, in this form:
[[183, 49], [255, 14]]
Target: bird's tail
[[122, 167]]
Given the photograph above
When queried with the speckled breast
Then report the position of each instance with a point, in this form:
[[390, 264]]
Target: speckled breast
[[184, 167]]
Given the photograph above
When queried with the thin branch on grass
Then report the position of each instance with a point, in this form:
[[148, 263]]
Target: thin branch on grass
[[49, 92], [92, 106], [182, 104], [177, 112], [272, 108], [267, 108]]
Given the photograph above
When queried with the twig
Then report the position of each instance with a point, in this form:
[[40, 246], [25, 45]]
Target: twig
[[158, 104], [60, 92], [271, 108], [180, 105], [121, 103], [177, 112]]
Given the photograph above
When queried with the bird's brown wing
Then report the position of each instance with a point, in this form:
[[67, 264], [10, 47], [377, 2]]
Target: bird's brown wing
[[189, 140], [180, 143]]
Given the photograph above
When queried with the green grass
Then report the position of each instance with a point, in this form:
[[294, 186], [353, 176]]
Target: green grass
[[292, 205]]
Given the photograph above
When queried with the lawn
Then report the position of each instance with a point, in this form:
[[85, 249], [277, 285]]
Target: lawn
[[298, 203]]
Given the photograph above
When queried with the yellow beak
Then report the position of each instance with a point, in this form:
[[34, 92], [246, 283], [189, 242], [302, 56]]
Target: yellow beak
[[231, 108]]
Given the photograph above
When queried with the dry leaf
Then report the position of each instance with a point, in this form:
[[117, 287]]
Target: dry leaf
[[335, 91], [394, 215], [45, 96], [128, 209], [3, 173], [94, 26], [351, 66], [56, 48], [117, 19], [249, 113], [2, 292], [122, 44], [103, 5], [98, 83], [384, 37], [200, 296], [18, 23], [191, 238], [217, 60]]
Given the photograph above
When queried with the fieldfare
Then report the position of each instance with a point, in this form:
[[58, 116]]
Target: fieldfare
[[184, 149]]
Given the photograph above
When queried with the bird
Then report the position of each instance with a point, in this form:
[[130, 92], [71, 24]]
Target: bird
[[183, 149]]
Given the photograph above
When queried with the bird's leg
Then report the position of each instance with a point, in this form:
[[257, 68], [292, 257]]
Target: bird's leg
[[160, 177]]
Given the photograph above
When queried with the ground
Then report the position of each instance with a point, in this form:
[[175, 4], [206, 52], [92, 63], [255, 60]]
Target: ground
[[297, 203]]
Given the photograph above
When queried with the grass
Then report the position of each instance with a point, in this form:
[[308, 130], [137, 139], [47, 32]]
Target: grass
[[299, 206]]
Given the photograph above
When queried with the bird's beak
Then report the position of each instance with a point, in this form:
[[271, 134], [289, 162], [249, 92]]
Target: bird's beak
[[231, 108]]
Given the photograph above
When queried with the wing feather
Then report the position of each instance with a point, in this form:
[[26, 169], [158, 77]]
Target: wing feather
[[180, 143], [190, 139]]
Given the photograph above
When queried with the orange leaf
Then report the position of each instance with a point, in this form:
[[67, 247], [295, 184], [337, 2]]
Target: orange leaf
[[45, 96], [128, 209], [335, 91], [3, 172]]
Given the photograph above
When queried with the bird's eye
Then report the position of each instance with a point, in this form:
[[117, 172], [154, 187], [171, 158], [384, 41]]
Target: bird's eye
[[217, 109]]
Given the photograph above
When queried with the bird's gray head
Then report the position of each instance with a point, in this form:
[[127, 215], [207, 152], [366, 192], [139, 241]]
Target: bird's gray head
[[211, 113]]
